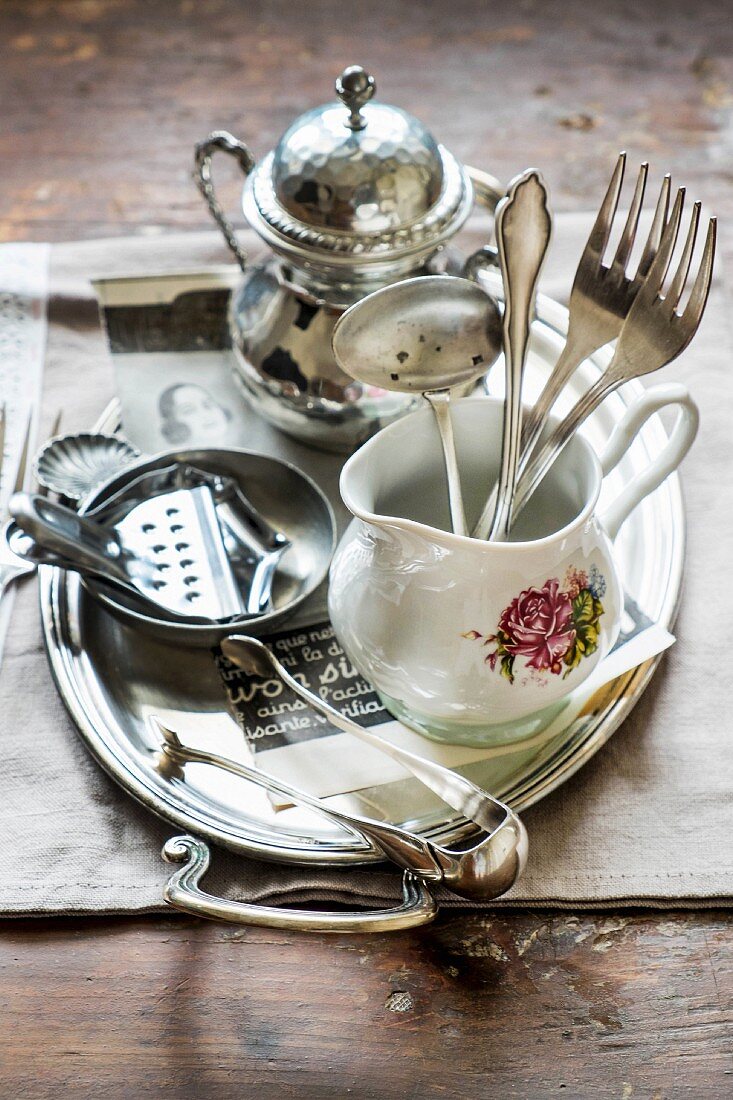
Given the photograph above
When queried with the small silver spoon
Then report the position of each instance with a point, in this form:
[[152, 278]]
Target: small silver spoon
[[424, 335]]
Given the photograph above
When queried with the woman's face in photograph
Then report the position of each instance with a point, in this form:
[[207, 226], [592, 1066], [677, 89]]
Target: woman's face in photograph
[[194, 408]]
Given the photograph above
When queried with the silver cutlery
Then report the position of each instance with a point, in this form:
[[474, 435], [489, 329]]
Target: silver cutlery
[[479, 873], [652, 335], [73, 465], [429, 335], [11, 565], [523, 228], [600, 300], [602, 295], [484, 870]]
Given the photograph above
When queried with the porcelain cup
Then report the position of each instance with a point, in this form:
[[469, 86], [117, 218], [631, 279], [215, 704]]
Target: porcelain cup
[[474, 642]]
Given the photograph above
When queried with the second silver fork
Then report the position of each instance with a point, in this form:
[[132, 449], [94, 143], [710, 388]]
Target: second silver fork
[[653, 334], [600, 300]]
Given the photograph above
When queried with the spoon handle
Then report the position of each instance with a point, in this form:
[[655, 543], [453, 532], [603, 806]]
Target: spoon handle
[[570, 359], [536, 469], [439, 401], [406, 849], [523, 228]]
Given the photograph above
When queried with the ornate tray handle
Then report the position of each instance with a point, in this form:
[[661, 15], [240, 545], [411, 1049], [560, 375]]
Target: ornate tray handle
[[182, 892]]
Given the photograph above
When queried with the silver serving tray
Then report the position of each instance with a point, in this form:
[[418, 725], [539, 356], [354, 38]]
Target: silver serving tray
[[111, 679]]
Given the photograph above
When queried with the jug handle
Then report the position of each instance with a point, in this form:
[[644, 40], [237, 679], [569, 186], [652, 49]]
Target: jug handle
[[664, 463], [224, 142]]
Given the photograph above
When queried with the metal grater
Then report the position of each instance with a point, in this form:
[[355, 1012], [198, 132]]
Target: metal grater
[[175, 555], [168, 549]]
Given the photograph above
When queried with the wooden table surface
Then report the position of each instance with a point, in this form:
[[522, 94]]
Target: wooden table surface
[[101, 103]]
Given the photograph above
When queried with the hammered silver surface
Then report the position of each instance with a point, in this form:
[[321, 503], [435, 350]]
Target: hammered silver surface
[[367, 181]]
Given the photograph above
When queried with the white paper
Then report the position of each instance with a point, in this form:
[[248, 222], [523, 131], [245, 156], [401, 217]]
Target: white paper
[[339, 764]]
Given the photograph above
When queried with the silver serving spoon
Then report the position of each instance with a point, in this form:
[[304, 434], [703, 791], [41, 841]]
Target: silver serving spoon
[[424, 335], [484, 871], [523, 228]]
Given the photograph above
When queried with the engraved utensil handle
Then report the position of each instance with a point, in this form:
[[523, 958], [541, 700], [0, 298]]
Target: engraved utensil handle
[[182, 891], [224, 142], [523, 229], [83, 544]]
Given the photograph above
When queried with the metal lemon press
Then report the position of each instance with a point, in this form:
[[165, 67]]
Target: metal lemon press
[[169, 539]]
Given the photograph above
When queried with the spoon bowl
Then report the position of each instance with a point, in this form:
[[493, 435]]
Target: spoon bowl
[[432, 332], [430, 335]]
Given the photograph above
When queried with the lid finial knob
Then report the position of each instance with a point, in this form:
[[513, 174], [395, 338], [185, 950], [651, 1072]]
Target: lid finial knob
[[355, 87]]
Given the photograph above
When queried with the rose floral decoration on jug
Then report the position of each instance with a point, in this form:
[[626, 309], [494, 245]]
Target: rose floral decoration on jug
[[552, 628]]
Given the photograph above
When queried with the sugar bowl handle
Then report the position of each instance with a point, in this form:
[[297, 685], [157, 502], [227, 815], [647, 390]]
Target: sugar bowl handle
[[182, 891], [488, 193], [486, 188], [664, 463], [224, 142]]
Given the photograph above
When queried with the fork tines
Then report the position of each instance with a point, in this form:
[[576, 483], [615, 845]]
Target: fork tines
[[601, 232], [654, 293]]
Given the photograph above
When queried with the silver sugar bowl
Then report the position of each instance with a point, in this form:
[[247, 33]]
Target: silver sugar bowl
[[355, 196]]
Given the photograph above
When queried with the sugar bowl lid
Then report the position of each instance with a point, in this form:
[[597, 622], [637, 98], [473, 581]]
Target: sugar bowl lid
[[357, 180]]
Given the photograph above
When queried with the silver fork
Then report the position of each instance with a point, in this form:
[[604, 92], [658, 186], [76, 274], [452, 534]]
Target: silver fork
[[653, 334], [602, 295], [12, 566], [600, 300]]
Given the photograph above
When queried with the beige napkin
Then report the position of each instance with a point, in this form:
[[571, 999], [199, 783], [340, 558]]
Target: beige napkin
[[646, 821]]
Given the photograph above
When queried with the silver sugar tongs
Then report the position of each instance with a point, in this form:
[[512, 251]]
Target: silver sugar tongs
[[483, 871], [480, 873]]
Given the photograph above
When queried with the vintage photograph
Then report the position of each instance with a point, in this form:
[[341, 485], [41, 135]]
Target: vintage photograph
[[174, 401]]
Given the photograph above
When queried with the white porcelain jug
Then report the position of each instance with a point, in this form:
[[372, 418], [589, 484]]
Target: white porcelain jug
[[466, 640]]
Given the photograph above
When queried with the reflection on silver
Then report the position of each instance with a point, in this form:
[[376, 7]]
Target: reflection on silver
[[264, 529], [355, 196]]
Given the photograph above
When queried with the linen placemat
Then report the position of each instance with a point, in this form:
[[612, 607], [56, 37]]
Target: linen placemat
[[647, 821]]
